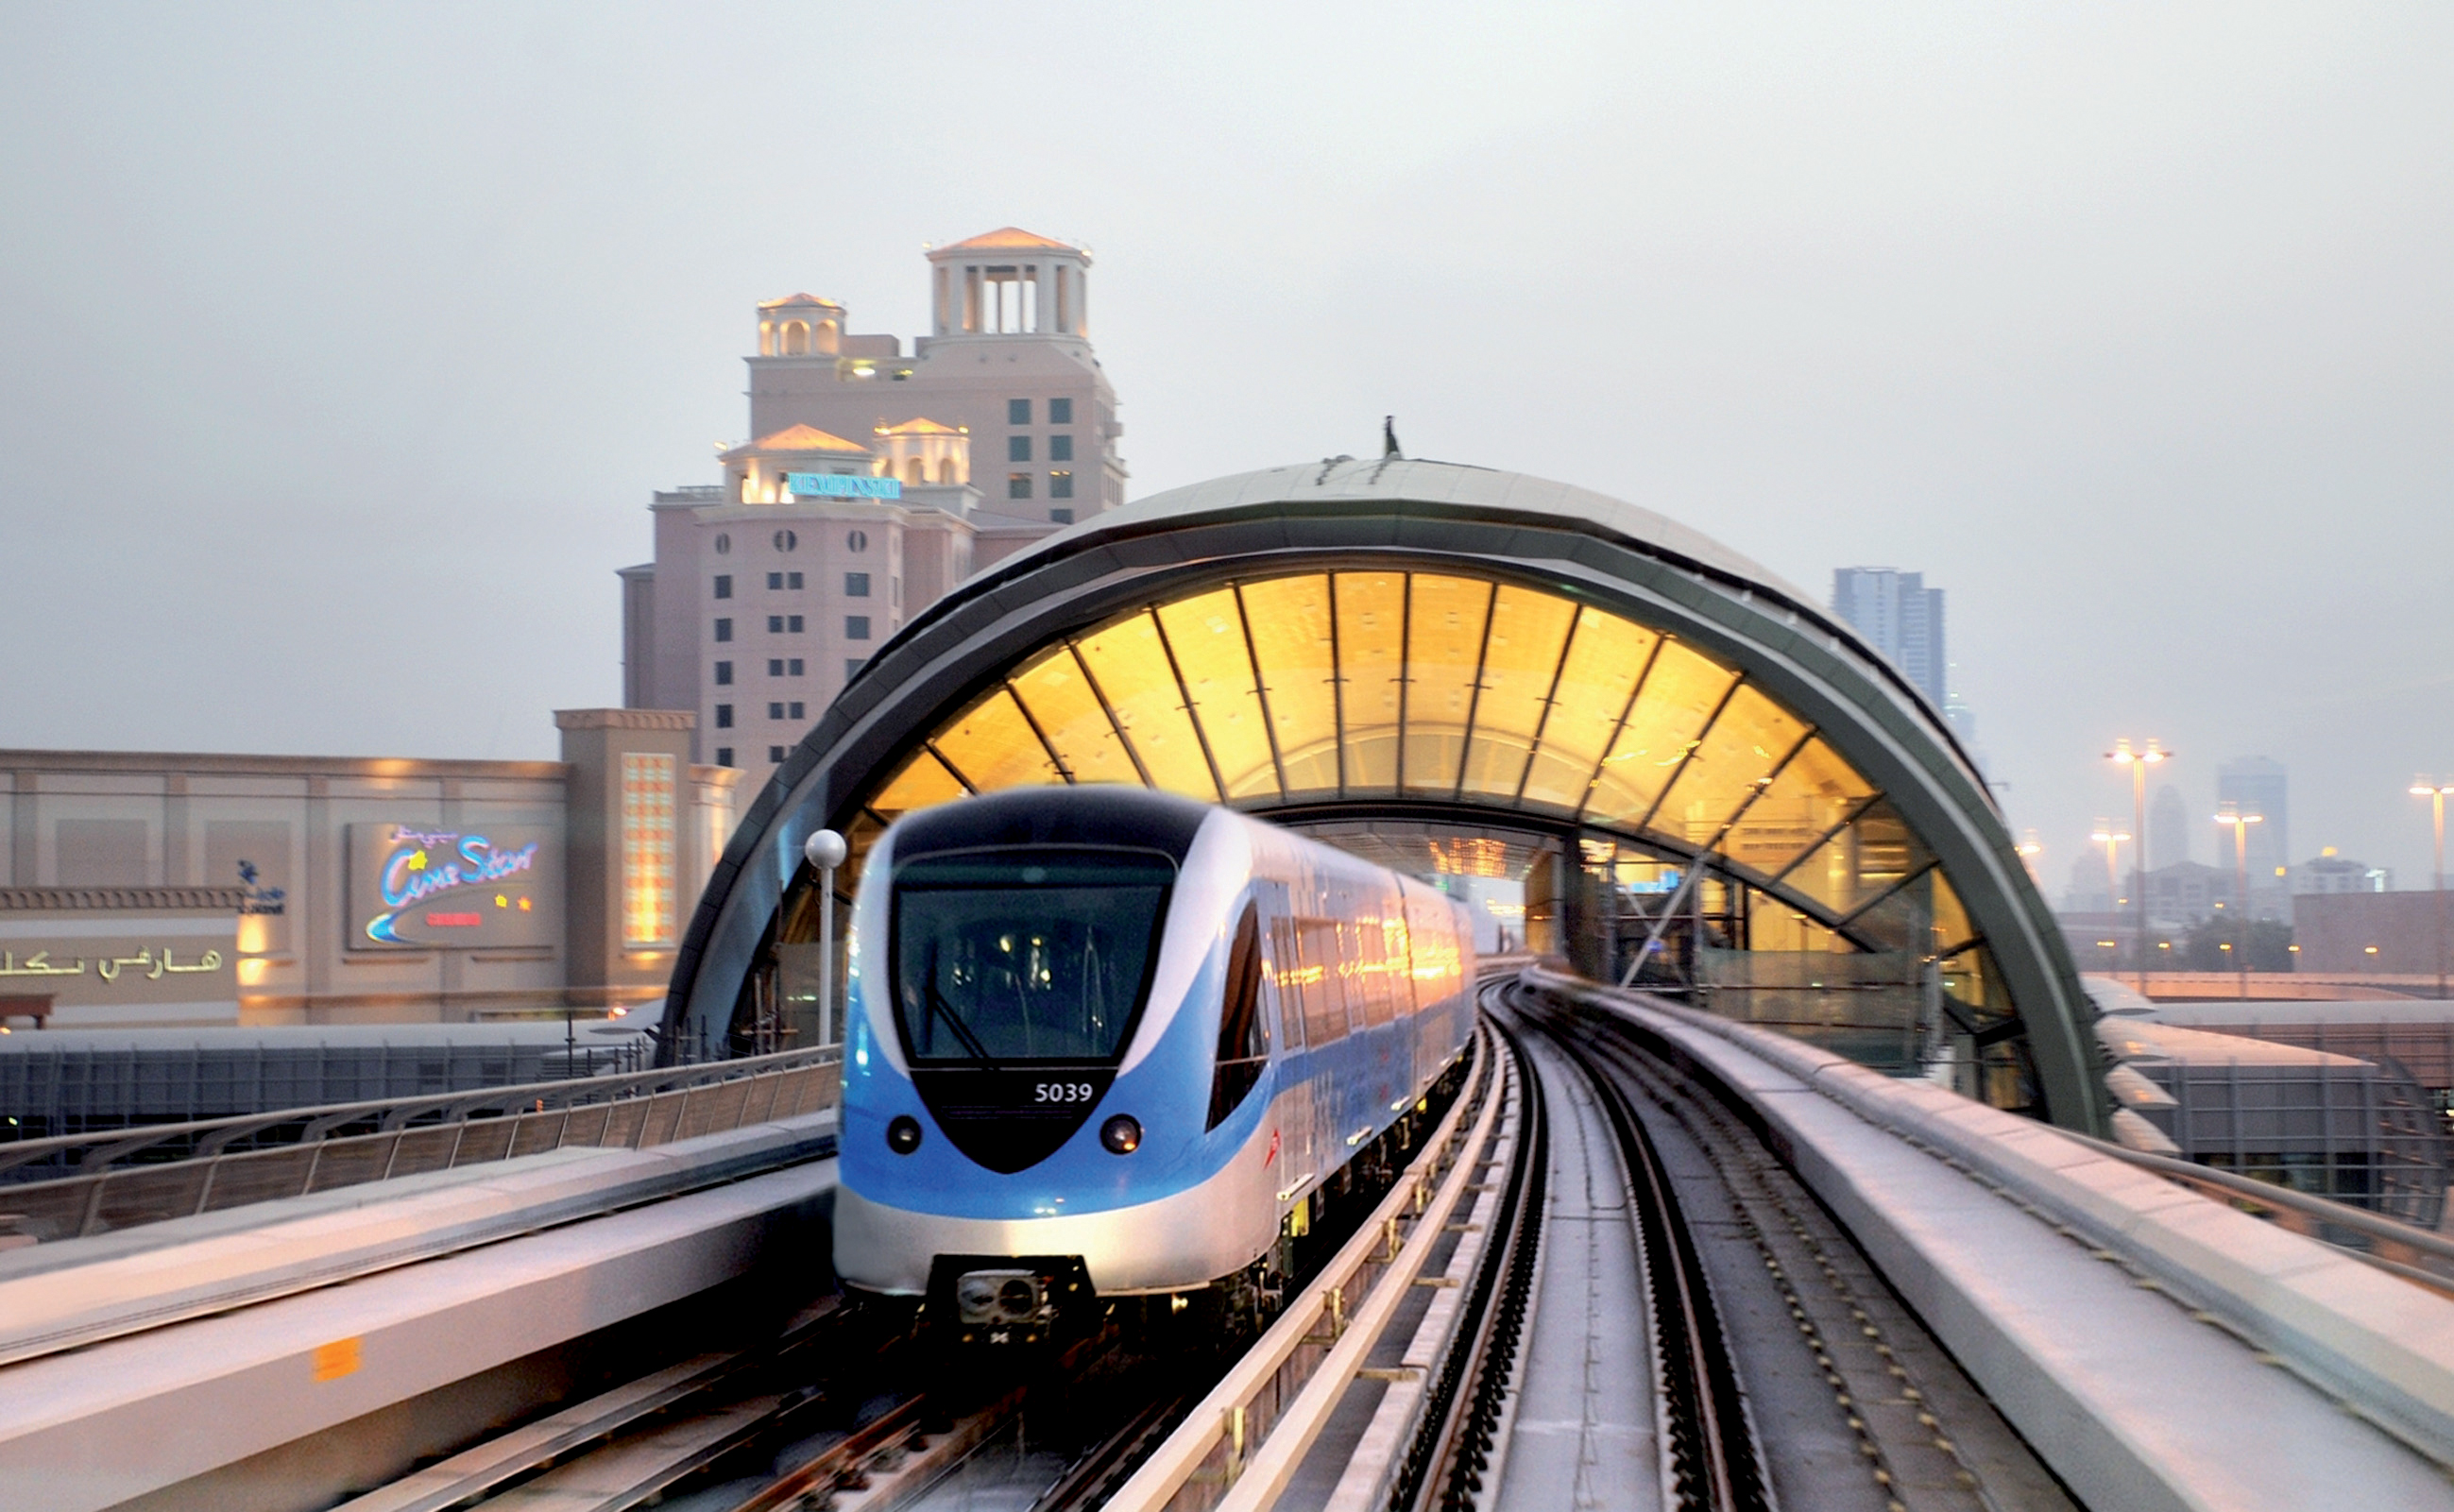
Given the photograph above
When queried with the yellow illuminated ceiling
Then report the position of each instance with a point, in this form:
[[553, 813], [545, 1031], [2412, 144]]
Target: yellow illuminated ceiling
[[1419, 687]]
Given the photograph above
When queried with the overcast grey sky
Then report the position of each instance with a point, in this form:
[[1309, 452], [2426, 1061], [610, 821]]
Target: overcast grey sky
[[341, 346]]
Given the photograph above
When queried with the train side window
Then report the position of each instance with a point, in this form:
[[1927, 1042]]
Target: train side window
[[1243, 1037], [1274, 956], [1316, 971]]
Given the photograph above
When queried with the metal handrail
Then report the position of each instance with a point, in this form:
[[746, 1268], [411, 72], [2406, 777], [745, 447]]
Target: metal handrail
[[98, 1150], [2395, 1246]]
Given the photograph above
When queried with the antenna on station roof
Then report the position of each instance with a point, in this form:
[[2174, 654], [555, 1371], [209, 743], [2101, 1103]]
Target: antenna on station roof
[[1389, 438]]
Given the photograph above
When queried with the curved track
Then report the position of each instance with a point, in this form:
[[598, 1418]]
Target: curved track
[[1619, 1297]]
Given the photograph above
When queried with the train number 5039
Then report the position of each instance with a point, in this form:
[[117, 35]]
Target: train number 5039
[[1062, 1092]]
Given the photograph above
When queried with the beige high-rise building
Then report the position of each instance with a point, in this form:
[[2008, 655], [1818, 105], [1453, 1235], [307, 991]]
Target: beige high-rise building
[[873, 483]]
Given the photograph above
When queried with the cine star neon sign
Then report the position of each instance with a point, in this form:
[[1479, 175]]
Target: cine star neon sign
[[423, 866], [841, 485]]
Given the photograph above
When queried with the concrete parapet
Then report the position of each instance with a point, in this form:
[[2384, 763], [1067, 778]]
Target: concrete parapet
[[2128, 1326]]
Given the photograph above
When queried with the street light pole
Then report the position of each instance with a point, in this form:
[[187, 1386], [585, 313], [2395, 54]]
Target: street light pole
[[2138, 761], [826, 851], [2111, 839], [2435, 792], [2240, 823]]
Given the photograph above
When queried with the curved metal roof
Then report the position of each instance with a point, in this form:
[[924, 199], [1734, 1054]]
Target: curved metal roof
[[1420, 641]]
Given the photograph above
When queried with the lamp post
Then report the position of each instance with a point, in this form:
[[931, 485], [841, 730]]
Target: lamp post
[[2240, 824], [2435, 792], [2138, 761], [826, 850], [2111, 839]]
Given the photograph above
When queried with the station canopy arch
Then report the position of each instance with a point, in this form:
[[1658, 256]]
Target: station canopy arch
[[1455, 670]]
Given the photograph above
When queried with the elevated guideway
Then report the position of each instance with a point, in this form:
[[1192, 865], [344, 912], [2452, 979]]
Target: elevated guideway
[[275, 1353]]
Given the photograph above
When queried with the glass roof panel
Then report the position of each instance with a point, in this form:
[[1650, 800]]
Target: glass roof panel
[[1289, 618], [1130, 669], [1208, 639], [1747, 740], [993, 747], [1680, 693], [1951, 926], [1443, 648], [1607, 657], [1372, 669], [1873, 852], [1529, 630], [1069, 714], [1816, 791], [924, 780]]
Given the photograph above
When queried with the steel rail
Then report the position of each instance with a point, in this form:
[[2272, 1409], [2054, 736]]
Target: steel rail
[[1713, 1463], [1924, 1434], [1240, 1445]]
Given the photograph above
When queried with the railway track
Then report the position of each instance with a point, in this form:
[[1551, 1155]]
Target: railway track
[[1779, 1370], [1856, 1404]]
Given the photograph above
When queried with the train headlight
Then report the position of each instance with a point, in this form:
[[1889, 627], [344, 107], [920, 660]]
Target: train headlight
[[1122, 1134], [903, 1134]]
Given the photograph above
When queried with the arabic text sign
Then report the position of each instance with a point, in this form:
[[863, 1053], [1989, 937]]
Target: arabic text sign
[[432, 886], [132, 968], [841, 485]]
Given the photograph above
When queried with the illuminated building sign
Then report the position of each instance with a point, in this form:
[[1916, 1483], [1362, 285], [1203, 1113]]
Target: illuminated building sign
[[841, 485], [431, 887], [648, 848]]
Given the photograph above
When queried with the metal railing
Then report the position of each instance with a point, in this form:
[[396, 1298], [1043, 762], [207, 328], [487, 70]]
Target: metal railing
[[92, 1183], [2415, 1253]]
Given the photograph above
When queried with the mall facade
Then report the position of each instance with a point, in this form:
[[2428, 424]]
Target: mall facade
[[147, 890]]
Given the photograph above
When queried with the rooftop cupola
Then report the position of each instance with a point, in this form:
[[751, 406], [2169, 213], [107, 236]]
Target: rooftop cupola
[[1010, 283], [800, 326]]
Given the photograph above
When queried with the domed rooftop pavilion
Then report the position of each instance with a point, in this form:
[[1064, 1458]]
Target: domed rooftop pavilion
[[1459, 670]]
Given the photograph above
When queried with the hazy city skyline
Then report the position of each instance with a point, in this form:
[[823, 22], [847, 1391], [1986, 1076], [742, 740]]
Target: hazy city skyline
[[344, 349]]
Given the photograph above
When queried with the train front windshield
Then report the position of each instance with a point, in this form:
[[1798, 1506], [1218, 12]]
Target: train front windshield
[[1006, 955]]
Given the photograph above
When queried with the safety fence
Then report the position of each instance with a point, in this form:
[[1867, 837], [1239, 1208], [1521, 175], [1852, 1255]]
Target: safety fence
[[82, 1184]]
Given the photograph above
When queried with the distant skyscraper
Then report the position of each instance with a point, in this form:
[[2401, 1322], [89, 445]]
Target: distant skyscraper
[[1902, 617], [2256, 785], [2170, 831]]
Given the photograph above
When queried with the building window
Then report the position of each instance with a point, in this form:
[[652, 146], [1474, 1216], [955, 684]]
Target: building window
[[786, 540], [724, 585], [776, 754], [723, 544], [774, 624], [774, 580], [1018, 449], [792, 579], [853, 666], [724, 674], [1060, 485], [724, 717], [793, 666], [1017, 412], [775, 711], [724, 755], [724, 630], [1060, 411], [1017, 485], [1061, 517], [793, 623], [856, 627], [857, 540], [775, 666], [1060, 449], [896, 584], [796, 709], [855, 585]]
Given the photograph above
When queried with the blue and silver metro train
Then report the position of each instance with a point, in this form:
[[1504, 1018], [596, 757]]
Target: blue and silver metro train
[[1105, 1040]]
